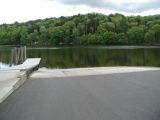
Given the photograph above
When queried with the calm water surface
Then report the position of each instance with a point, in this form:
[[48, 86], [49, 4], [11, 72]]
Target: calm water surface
[[72, 57]]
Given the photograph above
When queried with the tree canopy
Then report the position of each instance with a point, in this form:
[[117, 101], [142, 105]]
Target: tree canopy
[[89, 29]]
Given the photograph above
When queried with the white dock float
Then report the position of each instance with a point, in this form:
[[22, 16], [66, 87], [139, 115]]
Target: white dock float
[[27, 65]]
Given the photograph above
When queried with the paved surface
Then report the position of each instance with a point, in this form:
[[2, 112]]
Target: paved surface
[[127, 96]]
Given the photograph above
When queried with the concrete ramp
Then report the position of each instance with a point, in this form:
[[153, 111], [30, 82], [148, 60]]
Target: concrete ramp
[[51, 73]]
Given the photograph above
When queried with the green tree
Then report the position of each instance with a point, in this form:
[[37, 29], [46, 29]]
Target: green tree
[[86, 29], [150, 37], [156, 29], [136, 35]]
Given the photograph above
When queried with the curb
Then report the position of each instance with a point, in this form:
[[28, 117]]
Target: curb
[[8, 90], [24, 72], [22, 78]]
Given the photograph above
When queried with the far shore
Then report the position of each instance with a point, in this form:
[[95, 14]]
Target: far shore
[[90, 46]]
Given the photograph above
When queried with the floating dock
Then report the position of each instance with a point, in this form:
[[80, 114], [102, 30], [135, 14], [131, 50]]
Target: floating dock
[[28, 64]]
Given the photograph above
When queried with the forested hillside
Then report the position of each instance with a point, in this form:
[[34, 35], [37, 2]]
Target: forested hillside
[[90, 29]]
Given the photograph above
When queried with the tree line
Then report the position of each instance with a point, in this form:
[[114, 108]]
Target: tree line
[[89, 29]]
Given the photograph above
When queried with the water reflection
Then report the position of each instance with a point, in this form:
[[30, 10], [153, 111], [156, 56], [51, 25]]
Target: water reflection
[[94, 57], [5, 53], [71, 57]]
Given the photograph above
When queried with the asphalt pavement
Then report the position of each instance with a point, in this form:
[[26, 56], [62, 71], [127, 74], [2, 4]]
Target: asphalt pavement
[[125, 96]]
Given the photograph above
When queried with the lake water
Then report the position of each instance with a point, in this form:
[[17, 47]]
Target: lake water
[[75, 57]]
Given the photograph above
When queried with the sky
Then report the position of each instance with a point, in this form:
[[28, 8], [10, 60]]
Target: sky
[[25, 10]]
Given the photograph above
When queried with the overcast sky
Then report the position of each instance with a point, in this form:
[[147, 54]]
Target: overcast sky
[[24, 10]]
